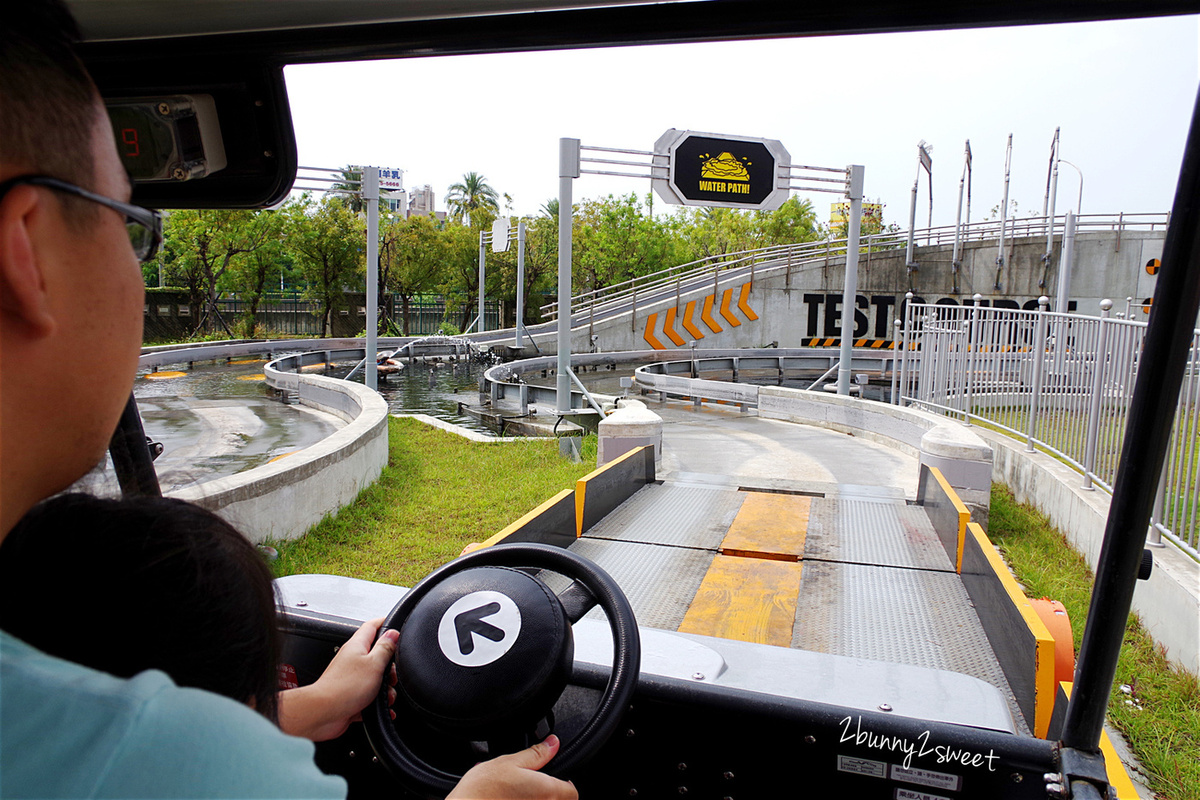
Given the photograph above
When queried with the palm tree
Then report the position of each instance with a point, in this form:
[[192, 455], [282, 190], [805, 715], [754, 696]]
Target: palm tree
[[348, 191], [471, 195]]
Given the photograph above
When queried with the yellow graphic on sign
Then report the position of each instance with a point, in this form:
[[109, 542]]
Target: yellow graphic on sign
[[725, 167]]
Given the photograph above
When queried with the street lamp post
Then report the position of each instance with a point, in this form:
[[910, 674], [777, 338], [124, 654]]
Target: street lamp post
[[1079, 202]]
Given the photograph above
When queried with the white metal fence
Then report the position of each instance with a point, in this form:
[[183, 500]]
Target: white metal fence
[[1062, 383]]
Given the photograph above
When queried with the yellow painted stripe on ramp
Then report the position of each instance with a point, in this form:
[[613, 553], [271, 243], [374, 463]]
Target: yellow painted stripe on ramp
[[669, 327], [649, 334], [706, 314], [688, 325], [725, 312], [747, 599], [743, 303], [770, 526], [960, 508]]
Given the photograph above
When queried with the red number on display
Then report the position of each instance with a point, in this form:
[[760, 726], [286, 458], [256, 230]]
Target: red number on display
[[130, 137]]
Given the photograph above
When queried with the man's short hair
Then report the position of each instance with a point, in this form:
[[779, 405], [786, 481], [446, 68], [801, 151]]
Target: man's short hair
[[48, 103]]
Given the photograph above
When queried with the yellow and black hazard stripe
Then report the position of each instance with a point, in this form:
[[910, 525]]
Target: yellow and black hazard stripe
[[873, 344]]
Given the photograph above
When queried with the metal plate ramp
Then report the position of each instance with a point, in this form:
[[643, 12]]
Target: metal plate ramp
[[878, 584], [659, 544], [874, 580]]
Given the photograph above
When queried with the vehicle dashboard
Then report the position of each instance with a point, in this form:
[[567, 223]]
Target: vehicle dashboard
[[691, 734]]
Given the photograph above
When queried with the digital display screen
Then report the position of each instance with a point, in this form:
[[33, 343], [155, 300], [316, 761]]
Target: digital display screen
[[145, 141], [175, 138]]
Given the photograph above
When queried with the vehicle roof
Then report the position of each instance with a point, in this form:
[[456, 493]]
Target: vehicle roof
[[298, 31]]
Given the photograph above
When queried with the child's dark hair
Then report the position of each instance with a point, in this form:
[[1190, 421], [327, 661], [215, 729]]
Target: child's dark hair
[[144, 583]]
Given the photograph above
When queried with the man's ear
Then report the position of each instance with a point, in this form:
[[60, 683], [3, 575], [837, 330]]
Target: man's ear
[[24, 299]]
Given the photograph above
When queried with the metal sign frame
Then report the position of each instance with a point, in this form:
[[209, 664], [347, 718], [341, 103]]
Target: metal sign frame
[[511, 234], [788, 176]]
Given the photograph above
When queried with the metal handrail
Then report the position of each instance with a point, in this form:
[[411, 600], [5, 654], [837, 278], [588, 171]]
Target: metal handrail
[[1062, 384], [693, 271]]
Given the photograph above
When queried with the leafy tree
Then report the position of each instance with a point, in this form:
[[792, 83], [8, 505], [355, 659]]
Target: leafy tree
[[328, 241], [460, 279], [471, 196], [793, 222], [541, 260], [718, 231], [615, 240], [411, 260], [349, 189], [205, 244], [250, 276]]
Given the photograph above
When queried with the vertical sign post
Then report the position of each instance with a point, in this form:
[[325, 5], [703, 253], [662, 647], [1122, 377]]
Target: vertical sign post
[[520, 283], [568, 170], [370, 194], [480, 329], [854, 190]]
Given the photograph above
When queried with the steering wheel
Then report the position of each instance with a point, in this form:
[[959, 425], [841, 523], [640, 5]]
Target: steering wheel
[[485, 651]]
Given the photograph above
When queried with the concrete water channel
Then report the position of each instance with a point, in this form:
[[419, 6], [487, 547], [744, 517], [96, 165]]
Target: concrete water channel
[[218, 418]]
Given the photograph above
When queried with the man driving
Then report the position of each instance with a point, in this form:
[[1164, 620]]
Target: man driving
[[70, 282]]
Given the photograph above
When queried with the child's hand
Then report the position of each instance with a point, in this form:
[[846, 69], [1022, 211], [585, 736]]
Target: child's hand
[[326, 708], [515, 776]]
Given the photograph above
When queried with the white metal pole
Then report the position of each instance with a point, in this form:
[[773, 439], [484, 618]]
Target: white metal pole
[[370, 195], [1066, 264], [1004, 211], [520, 282], [854, 191], [1051, 197], [481, 268], [912, 220], [568, 170], [1100, 366], [962, 183], [1038, 351]]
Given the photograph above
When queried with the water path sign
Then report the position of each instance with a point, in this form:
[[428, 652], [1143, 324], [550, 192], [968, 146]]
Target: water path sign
[[710, 169]]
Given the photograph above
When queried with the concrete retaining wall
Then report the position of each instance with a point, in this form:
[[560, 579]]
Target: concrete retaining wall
[[795, 305], [1168, 604], [283, 499]]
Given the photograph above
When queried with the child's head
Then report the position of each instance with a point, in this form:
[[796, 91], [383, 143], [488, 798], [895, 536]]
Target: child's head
[[144, 583]]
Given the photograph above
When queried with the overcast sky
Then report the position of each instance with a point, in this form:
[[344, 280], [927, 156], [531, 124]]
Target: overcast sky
[[1122, 92]]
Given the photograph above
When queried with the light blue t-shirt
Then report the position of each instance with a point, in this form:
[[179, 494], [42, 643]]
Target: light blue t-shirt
[[70, 731]]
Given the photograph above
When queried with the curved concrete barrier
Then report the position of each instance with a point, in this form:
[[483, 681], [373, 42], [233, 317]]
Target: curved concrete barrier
[[283, 499], [963, 458], [961, 455]]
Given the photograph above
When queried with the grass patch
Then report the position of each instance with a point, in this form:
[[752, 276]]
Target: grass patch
[[438, 492], [1163, 722]]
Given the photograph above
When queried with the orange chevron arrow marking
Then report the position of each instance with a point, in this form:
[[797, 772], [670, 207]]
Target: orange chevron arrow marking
[[744, 303], [669, 327], [725, 312], [687, 320], [649, 334], [706, 315]]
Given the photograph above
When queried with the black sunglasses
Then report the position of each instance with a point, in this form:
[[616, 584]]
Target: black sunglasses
[[144, 226]]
